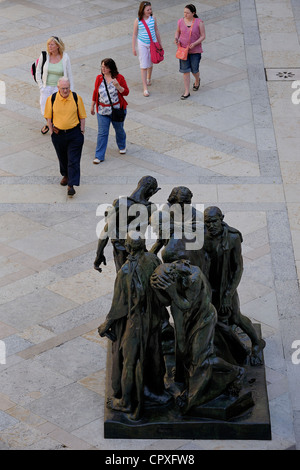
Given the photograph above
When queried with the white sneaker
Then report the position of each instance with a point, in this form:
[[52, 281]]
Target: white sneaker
[[122, 151], [96, 161]]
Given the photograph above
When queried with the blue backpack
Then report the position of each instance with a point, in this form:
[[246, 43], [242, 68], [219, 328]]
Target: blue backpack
[[34, 66]]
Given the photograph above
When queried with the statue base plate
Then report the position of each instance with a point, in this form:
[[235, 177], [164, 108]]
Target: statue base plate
[[226, 417]]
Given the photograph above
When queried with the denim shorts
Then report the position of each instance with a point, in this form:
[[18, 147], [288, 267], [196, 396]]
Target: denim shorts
[[191, 64]]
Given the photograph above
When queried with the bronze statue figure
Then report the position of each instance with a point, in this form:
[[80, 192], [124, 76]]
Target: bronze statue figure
[[146, 188], [185, 225], [176, 225], [204, 375], [223, 267], [133, 324]]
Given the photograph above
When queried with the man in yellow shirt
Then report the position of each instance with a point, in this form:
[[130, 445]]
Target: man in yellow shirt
[[65, 114]]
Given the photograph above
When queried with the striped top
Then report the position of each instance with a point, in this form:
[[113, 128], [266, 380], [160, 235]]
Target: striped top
[[142, 32]]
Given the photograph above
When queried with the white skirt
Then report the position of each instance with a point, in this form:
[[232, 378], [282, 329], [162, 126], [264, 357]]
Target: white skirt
[[144, 55], [44, 93]]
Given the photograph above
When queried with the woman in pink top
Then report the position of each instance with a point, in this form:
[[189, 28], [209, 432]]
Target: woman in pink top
[[190, 33]]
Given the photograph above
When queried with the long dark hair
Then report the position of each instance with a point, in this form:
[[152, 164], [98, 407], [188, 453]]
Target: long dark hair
[[110, 63], [192, 9], [142, 7]]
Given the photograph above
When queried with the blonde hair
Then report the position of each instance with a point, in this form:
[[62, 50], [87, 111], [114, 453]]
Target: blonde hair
[[59, 42]]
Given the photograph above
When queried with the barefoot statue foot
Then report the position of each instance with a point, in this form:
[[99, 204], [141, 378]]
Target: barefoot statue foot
[[256, 354], [117, 404]]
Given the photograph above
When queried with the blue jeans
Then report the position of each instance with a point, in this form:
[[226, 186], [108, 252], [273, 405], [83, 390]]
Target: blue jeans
[[103, 133], [191, 64]]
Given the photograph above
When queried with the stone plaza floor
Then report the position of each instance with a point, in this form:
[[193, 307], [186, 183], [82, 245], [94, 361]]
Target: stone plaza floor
[[235, 143]]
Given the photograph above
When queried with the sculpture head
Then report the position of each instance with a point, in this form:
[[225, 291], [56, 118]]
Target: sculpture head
[[180, 195], [182, 267], [149, 185], [135, 243], [213, 219]]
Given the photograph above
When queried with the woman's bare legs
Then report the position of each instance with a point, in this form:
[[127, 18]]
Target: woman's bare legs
[[149, 75], [197, 78], [144, 79], [186, 82]]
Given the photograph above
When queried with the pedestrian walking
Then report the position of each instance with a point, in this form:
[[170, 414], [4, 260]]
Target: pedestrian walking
[[56, 64], [190, 34], [65, 114], [108, 98], [141, 37]]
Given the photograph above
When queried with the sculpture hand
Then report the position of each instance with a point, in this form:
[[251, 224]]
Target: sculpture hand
[[171, 288], [104, 330], [160, 282], [101, 259]]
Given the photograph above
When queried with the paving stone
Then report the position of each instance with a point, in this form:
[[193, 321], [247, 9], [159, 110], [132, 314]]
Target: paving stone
[[6, 421], [74, 359], [59, 407], [24, 437], [43, 380], [36, 307], [15, 344], [77, 316]]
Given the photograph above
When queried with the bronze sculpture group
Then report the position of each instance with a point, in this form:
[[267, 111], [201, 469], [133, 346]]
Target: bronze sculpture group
[[188, 299]]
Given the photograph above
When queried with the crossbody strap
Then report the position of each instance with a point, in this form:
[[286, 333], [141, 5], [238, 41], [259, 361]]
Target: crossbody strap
[[147, 29], [43, 62], [107, 92], [190, 30]]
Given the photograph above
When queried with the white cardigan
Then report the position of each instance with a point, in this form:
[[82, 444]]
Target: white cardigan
[[67, 70]]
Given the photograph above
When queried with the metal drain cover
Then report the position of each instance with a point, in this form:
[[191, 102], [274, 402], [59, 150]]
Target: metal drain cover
[[282, 74]]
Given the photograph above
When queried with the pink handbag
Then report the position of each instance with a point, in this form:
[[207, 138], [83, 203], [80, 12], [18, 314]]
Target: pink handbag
[[156, 51]]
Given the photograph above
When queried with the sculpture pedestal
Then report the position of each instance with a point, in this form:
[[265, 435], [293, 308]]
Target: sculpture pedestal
[[242, 417]]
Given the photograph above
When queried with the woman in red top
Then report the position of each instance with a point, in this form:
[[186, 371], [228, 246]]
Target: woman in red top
[[190, 33], [117, 89]]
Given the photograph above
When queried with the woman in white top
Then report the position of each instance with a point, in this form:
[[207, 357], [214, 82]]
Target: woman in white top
[[141, 36], [57, 65]]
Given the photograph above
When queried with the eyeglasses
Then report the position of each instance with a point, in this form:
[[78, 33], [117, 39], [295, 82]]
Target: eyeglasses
[[56, 38], [146, 3]]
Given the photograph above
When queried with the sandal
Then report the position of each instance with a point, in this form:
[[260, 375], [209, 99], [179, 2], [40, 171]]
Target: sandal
[[45, 129], [196, 87], [146, 93], [184, 97], [149, 82]]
